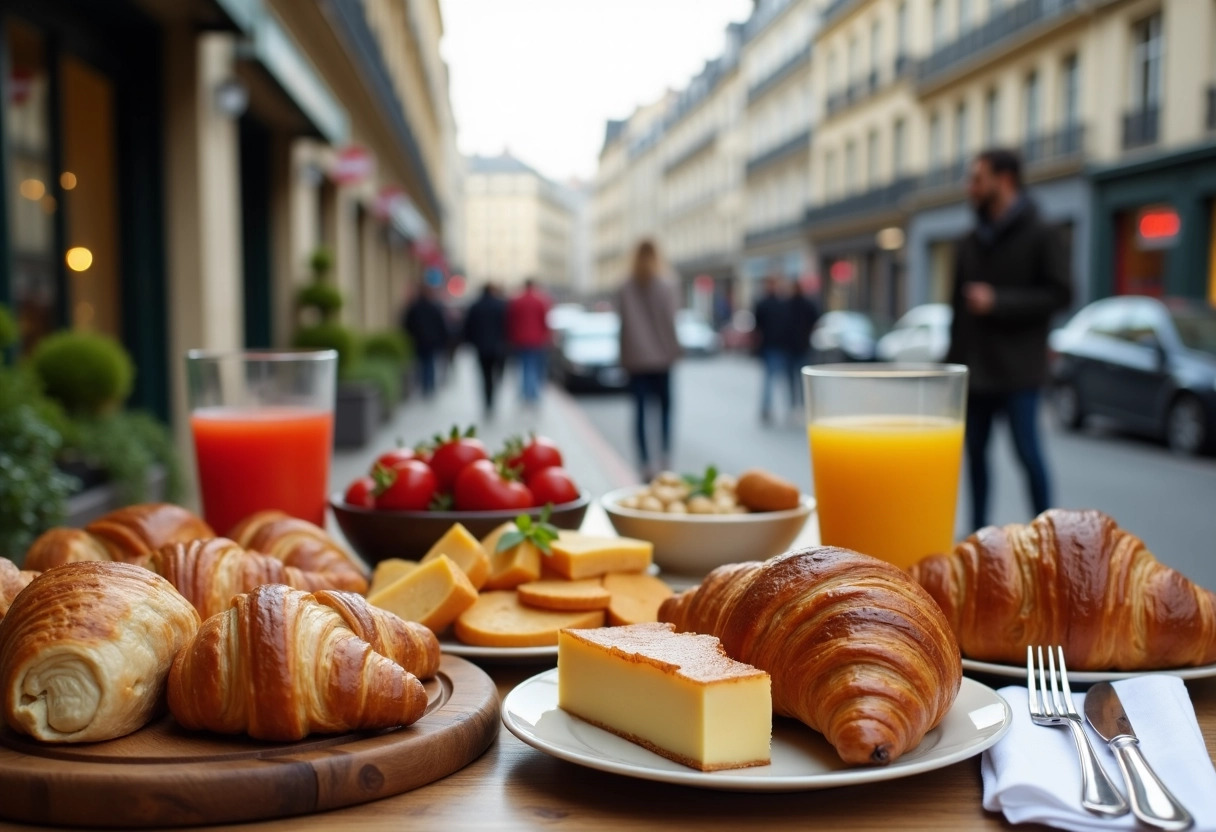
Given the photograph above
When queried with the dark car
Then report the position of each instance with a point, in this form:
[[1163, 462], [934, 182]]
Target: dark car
[[843, 335], [1147, 364], [587, 354]]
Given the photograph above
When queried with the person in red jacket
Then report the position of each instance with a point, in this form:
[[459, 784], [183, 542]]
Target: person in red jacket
[[529, 336]]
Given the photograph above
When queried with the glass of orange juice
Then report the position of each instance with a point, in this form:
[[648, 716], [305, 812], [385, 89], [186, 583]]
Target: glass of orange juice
[[263, 424], [886, 450]]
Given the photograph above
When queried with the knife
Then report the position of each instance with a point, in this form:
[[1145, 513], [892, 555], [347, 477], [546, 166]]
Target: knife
[[1151, 801]]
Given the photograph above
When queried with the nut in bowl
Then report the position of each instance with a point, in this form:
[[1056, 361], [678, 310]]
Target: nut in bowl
[[710, 529]]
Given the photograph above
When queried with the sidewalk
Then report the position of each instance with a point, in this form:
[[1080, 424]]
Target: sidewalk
[[596, 466]]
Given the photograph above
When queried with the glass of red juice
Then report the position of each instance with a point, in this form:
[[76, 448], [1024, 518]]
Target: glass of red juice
[[263, 424]]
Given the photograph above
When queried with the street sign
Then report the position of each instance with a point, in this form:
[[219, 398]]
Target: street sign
[[352, 164], [1158, 227]]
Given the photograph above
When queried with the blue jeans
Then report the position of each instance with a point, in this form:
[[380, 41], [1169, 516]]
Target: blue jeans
[[776, 368], [532, 373], [645, 386], [426, 371], [1021, 408]]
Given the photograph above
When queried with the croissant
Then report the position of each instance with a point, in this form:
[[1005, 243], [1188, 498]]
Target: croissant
[[85, 650], [856, 650], [129, 535], [300, 544], [12, 581], [279, 665], [408, 643], [209, 572], [1076, 579]]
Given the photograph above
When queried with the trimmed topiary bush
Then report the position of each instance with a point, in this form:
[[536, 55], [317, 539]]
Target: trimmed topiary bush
[[321, 262], [323, 297], [385, 375], [87, 373], [390, 346], [329, 336]]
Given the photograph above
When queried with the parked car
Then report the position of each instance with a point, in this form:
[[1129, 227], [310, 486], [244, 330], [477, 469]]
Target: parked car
[[563, 315], [587, 354], [843, 335], [922, 334], [696, 337], [1147, 364]]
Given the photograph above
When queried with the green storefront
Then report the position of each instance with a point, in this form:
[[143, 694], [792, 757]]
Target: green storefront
[[1154, 226]]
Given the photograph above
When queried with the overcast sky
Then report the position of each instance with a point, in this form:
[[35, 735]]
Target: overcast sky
[[540, 77]]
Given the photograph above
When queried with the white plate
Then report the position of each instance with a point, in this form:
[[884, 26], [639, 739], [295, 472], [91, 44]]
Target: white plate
[[500, 655], [801, 758], [1087, 676]]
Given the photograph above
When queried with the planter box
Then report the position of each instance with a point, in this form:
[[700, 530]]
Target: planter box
[[86, 506], [356, 414]]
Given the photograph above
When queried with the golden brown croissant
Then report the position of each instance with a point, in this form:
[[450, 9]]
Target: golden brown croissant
[[85, 650], [129, 535], [279, 665], [856, 650], [209, 572], [1076, 579], [408, 643], [300, 544], [12, 581]]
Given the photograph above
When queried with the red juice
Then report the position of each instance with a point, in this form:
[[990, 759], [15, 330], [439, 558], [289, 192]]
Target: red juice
[[266, 458]]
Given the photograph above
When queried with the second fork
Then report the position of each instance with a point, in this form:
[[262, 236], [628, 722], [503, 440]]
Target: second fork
[[1098, 793]]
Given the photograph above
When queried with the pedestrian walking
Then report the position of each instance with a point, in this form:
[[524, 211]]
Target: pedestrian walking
[[802, 313], [1011, 277], [427, 327], [485, 328], [529, 336], [771, 335], [648, 349]]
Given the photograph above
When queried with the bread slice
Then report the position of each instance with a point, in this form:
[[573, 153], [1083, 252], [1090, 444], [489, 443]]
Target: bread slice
[[587, 594], [498, 619], [458, 544], [389, 570], [433, 594], [636, 597]]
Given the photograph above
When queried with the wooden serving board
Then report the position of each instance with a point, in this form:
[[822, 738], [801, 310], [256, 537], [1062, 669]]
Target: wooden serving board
[[163, 775]]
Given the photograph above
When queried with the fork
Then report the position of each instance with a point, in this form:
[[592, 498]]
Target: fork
[[1098, 793]]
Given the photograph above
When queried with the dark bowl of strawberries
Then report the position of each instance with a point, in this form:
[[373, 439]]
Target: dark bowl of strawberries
[[412, 496]]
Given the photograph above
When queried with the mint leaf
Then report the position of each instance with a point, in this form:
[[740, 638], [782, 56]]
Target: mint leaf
[[510, 540]]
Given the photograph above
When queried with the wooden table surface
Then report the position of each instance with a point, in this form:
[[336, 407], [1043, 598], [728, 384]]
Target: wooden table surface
[[513, 786]]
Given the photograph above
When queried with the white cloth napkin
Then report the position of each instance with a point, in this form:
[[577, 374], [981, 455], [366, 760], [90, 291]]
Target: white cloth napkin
[[1033, 774]]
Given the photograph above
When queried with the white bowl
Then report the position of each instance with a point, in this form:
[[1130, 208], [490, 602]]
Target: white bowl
[[695, 544]]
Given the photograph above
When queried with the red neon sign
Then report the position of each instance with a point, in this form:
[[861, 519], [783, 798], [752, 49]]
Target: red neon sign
[[1159, 224]]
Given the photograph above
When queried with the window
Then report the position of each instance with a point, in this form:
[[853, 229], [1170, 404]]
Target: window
[[854, 60], [935, 142], [901, 29], [1070, 95], [960, 131], [966, 16], [1031, 96], [872, 159], [898, 141], [830, 178], [1146, 63], [875, 46], [939, 23], [833, 74], [992, 115], [850, 166]]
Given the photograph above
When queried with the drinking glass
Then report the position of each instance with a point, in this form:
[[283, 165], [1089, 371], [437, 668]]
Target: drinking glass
[[263, 424], [886, 449]]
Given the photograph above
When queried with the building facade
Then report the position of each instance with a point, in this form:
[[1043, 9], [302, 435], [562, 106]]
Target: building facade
[[199, 152], [518, 225]]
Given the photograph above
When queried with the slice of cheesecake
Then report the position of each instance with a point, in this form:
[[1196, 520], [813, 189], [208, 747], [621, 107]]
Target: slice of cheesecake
[[677, 694]]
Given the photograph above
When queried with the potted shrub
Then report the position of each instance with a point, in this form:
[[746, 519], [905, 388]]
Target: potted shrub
[[391, 353]]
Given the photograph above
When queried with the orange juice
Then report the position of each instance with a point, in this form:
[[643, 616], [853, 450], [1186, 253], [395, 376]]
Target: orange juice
[[887, 485]]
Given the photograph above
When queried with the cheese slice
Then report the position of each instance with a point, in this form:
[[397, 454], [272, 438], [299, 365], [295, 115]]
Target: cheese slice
[[510, 567], [578, 555], [677, 694], [389, 570], [498, 619], [458, 544], [636, 597], [432, 594], [587, 594]]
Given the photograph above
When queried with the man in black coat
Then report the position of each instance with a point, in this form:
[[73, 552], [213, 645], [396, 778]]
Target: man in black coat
[[771, 335], [803, 314], [1011, 276], [485, 327], [424, 322]]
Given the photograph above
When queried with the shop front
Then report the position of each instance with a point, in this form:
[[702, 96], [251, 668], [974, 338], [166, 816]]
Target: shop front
[[1155, 227]]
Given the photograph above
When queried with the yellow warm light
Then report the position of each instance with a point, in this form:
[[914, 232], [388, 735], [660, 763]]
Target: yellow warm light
[[67, 180], [32, 189], [79, 258]]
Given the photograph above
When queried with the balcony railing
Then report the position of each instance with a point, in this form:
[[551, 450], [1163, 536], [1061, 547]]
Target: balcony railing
[[882, 198], [1002, 26], [1212, 107], [788, 147], [1065, 143], [835, 9], [1140, 127], [788, 67], [697, 147], [769, 233], [945, 176]]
